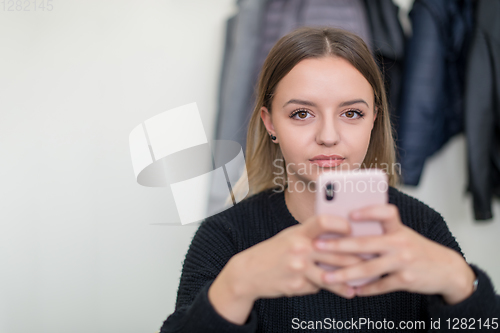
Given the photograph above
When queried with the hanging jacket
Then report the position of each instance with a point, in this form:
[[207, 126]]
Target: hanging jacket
[[431, 105], [482, 109], [236, 83]]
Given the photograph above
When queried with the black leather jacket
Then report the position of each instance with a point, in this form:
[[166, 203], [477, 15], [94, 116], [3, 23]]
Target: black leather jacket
[[482, 109]]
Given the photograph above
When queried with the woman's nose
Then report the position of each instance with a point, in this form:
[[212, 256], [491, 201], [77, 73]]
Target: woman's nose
[[328, 133]]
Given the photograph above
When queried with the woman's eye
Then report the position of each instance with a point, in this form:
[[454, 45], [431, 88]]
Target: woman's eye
[[302, 114], [351, 114]]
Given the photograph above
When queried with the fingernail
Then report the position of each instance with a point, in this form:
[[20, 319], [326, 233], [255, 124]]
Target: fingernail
[[330, 277], [356, 215], [350, 292], [321, 244]]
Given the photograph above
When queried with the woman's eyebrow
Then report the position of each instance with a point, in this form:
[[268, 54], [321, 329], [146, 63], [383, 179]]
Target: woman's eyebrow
[[354, 101], [308, 103], [298, 101]]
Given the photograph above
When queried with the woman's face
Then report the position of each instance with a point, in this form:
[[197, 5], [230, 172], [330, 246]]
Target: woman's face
[[323, 106]]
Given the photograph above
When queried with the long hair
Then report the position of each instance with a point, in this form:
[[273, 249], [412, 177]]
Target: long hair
[[264, 158]]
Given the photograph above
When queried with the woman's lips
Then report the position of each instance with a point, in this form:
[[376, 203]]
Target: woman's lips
[[328, 163]]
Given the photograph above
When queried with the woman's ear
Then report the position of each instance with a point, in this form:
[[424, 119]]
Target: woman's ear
[[268, 123], [375, 115], [267, 120]]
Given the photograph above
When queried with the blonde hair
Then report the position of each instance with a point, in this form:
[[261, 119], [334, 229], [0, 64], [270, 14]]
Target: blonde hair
[[303, 43]]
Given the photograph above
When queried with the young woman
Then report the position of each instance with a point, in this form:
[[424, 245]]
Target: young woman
[[253, 267]]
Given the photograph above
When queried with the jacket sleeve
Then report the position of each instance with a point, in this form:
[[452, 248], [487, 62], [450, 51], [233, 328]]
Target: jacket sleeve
[[479, 125], [483, 304], [211, 248]]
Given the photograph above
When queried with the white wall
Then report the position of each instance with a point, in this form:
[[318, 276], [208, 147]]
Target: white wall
[[78, 248], [78, 252]]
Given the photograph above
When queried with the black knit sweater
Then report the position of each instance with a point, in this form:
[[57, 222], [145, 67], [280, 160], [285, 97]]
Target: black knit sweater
[[262, 216]]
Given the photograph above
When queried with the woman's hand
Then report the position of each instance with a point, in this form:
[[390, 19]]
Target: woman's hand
[[413, 262], [285, 264]]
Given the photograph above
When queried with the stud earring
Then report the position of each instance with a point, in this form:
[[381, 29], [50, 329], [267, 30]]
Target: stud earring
[[272, 137]]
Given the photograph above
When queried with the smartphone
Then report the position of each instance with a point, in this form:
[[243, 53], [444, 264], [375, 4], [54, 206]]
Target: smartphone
[[339, 192]]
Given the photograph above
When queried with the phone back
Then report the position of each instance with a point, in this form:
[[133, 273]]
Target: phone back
[[340, 192]]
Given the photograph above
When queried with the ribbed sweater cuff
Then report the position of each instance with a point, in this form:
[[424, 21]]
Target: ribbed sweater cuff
[[204, 318], [480, 304]]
